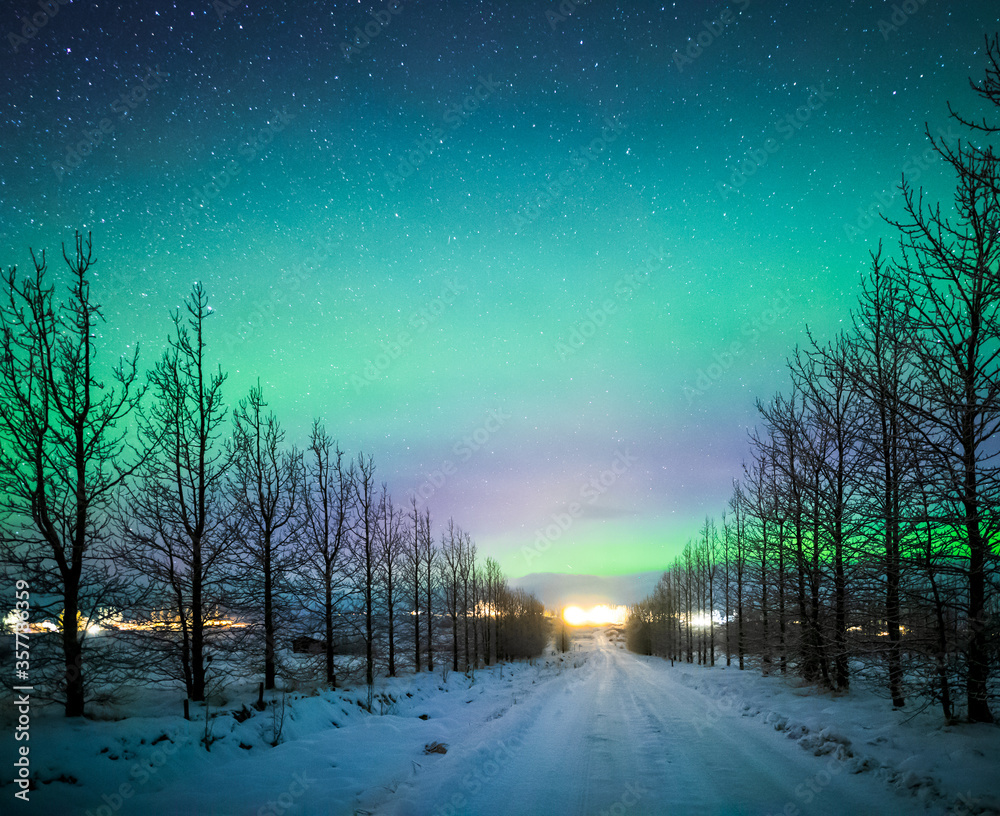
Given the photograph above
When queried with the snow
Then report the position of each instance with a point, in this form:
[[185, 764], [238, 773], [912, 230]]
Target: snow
[[597, 730]]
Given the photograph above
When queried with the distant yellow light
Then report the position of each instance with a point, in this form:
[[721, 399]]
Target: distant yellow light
[[600, 615]]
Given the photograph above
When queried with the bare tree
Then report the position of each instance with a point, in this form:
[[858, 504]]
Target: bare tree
[[740, 556], [329, 518], [390, 535], [467, 569], [688, 578], [950, 300], [879, 365], [176, 532], [710, 544], [932, 555], [884, 465], [478, 580], [62, 455], [265, 485], [411, 565], [430, 559], [727, 580], [759, 513], [834, 408], [451, 581], [366, 556], [493, 582], [524, 628], [784, 420]]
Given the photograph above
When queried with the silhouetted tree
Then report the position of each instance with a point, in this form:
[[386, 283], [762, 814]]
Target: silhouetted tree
[[390, 533], [328, 501], [949, 286], [176, 532], [451, 581], [366, 556], [430, 559], [835, 410], [493, 585], [62, 454], [879, 365], [265, 485]]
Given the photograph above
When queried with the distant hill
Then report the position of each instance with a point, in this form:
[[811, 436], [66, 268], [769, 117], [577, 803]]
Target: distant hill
[[557, 589]]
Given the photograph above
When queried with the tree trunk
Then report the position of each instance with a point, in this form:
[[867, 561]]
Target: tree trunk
[[331, 677], [978, 650], [269, 667], [72, 655]]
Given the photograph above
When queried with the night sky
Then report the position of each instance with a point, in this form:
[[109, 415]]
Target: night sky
[[508, 251]]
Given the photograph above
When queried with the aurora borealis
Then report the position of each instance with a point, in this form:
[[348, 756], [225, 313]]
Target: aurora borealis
[[538, 259]]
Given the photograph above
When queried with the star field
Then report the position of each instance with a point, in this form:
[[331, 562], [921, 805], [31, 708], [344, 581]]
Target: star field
[[538, 259]]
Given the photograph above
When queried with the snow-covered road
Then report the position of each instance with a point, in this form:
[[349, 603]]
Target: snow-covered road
[[617, 735], [595, 731]]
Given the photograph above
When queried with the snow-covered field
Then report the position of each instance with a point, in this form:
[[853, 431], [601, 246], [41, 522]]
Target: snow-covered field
[[597, 730]]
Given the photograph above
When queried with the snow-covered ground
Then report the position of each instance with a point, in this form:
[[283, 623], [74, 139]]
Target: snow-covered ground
[[595, 731]]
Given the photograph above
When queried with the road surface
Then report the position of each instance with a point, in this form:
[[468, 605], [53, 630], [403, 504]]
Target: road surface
[[616, 735]]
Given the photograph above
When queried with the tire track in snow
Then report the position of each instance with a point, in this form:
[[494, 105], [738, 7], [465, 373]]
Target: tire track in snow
[[621, 736]]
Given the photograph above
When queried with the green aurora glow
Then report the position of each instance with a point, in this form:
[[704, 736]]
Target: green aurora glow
[[406, 312]]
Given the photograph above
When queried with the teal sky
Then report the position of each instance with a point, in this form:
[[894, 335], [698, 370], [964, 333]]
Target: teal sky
[[555, 327]]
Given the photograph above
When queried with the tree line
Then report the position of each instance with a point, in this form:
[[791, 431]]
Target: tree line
[[861, 537], [195, 538]]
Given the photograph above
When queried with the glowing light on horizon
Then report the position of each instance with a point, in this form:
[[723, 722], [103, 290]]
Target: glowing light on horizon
[[600, 615]]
